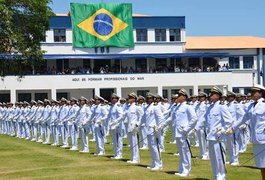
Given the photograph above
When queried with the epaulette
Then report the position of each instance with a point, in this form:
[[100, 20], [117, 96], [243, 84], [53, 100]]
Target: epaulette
[[155, 103], [119, 105], [235, 102], [222, 103]]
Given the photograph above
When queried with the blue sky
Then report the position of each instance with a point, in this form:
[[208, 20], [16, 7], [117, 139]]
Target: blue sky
[[203, 17]]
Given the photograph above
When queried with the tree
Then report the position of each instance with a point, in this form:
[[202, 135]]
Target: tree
[[22, 28]]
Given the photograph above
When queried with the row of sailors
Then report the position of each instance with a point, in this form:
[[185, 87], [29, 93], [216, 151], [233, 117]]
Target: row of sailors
[[216, 125]]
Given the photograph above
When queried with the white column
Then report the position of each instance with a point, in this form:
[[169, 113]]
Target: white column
[[118, 91], [160, 90], [97, 91], [13, 96], [54, 94], [183, 35], [241, 90], [147, 64], [201, 63], [241, 64], [167, 35], [151, 35], [92, 65], [195, 90]]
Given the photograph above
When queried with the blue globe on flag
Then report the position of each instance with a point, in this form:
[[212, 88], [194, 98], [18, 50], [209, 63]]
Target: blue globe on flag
[[103, 24]]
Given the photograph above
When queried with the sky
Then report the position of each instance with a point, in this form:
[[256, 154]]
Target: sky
[[203, 17]]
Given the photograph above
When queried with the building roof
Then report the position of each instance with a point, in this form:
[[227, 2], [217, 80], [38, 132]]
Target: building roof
[[139, 22], [68, 14], [224, 42]]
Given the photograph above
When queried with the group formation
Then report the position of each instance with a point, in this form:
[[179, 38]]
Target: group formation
[[217, 123]]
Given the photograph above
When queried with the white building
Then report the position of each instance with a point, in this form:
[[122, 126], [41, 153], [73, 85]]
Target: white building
[[162, 61]]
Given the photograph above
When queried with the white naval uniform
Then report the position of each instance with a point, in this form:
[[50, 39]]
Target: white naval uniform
[[54, 125], [115, 121], [256, 113], [142, 129], [46, 123], [37, 127], [185, 120], [17, 119], [26, 124], [99, 116], [71, 117], [218, 119], [133, 114], [82, 120], [151, 119], [200, 129], [232, 140], [62, 115]]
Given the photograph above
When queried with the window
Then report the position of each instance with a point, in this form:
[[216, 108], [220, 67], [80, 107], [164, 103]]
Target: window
[[41, 96], [59, 35], [235, 90], [234, 62], [174, 35], [160, 35], [142, 93], [165, 93], [141, 35], [174, 91], [248, 62], [24, 97], [61, 95], [141, 65]]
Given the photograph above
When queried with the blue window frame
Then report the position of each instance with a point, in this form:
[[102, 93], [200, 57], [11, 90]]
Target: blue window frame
[[234, 62], [248, 62]]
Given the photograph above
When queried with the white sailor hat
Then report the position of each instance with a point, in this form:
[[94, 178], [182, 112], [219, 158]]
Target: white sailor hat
[[63, 99], [202, 94], [115, 96], [216, 90], [174, 96], [82, 98], [40, 102], [122, 99], [33, 102], [258, 87], [141, 97], [99, 98], [133, 95], [150, 95], [230, 93], [183, 92], [73, 99], [47, 101]]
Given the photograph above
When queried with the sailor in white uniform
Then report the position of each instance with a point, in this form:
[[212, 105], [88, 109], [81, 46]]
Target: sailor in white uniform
[[99, 116], [237, 113], [218, 120], [115, 121], [200, 127], [133, 114], [185, 119], [151, 121], [256, 113]]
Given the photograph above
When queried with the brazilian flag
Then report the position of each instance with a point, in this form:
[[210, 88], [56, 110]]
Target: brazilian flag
[[102, 25]]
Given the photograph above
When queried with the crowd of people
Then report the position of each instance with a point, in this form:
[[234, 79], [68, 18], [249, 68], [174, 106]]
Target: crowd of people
[[216, 122], [129, 70]]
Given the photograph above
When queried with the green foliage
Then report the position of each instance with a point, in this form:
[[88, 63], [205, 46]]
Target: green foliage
[[22, 27]]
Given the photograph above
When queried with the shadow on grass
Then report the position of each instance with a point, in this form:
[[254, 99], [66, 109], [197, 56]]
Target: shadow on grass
[[250, 167], [173, 173]]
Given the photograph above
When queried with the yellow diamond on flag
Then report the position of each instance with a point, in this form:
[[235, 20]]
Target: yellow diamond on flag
[[103, 25]]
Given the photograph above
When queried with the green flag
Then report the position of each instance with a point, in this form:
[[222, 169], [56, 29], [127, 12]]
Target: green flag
[[102, 25]]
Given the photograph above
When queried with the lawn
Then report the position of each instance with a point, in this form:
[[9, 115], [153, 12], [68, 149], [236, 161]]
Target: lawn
[[22, 159]]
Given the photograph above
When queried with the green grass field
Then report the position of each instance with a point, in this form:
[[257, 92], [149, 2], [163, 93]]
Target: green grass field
[[22, 159]]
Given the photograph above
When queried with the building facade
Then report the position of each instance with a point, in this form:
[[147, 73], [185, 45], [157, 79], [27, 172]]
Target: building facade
[[162, 61]]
